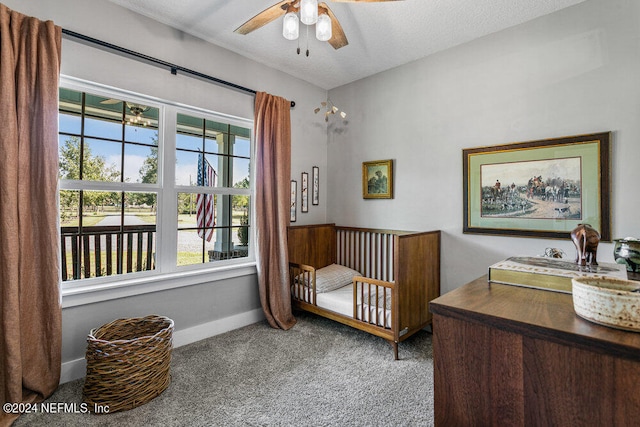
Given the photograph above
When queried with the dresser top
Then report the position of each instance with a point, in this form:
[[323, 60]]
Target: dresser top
[[533, 312]]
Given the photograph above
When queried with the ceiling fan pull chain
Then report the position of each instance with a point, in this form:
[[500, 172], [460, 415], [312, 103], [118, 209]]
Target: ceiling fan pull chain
[[307, 41]]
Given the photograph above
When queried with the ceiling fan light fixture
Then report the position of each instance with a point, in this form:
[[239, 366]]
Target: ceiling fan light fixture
[[309, 11], [290, 26], [323, 28]]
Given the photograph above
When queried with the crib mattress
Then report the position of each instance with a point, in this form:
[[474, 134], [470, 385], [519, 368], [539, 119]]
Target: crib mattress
[[341, 301]]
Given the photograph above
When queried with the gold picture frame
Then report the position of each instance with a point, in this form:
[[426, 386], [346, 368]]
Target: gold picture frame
[[377, 179]]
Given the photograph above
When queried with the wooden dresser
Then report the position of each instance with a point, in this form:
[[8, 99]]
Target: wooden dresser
[[512, 356]]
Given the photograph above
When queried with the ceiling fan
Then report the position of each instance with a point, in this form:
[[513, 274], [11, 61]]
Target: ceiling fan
[[311, 12], [135, 109]]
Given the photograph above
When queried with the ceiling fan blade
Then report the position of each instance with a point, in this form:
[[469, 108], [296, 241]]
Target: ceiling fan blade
[[110, 101], [263, 18], [338, 38]]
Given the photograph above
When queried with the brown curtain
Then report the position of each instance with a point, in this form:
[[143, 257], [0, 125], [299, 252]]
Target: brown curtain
[[273, 176], [30, 311]]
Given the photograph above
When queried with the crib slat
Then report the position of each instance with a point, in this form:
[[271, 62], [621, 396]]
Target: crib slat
[[386, 263], [377, 309], [376, 257], [393, 253]]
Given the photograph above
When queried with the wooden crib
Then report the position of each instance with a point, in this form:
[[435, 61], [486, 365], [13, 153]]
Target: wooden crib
[[399, 274]]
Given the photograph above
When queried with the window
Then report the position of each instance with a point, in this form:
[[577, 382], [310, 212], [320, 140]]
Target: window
[[113, 194], [213, 159]]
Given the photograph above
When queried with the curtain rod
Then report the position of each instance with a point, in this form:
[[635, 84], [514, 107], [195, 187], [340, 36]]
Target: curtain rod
[[155, 61]]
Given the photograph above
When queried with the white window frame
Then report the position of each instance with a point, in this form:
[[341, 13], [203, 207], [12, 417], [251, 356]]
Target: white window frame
[[167, 275]]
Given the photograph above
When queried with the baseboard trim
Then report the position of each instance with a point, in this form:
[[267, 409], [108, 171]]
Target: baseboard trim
[[216, 327], [75, 369]]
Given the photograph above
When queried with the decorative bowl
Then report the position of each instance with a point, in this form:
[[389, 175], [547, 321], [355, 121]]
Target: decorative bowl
[[608, 301], [627, 251]]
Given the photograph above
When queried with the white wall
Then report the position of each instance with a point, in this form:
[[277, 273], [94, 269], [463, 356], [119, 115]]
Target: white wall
[[203, 308], [574, 72]]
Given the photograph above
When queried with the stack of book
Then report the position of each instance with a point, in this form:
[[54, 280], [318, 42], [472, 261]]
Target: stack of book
[[549, 273]]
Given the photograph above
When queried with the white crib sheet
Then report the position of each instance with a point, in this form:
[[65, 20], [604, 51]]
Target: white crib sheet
[[341, 301]]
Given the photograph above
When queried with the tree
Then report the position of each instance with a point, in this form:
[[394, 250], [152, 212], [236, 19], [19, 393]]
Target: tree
[[242, 202], [94, 168], [148, 175], [149, 169]]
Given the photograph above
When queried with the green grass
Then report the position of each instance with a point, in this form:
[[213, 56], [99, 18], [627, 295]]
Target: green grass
[[103, 261], [189, 258], [94, 218], [184, 258], [149, 217]]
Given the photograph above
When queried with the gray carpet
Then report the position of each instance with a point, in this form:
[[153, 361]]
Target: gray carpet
[[319, 373]]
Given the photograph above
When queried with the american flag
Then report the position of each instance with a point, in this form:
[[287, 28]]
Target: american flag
[[204, 202]]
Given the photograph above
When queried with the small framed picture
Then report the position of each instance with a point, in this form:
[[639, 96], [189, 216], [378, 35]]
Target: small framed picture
[[294, 191], [315, 182], [377, 179], [304, 200]]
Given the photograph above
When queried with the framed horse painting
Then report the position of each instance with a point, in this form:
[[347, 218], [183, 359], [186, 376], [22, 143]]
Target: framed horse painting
[[538, 188]]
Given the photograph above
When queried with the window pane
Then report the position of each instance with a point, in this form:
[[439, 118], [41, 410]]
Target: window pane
[[69, 221], [212, 172], [197, 210], [69, 157], [227, 245], [103, 128], [142, 134], [190, 125], [140, 231], [102, 160], [69, 123], [189, 142], [69, 208], [240, 206], [241, 241], [240, 235], [70, 101], [140, 164], [101, 107], [192, 169], [101, 208], [240, 131], [214, 127], [188, 253], [140, 208], [214, 145], [186, 168], [190, 248], [186, 210], [241, 147], [240, 172], [197, 237]]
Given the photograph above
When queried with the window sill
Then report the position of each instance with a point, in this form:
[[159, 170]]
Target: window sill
[[97, 292]]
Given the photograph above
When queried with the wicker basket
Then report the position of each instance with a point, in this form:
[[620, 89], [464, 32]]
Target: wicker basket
[[128, 362]]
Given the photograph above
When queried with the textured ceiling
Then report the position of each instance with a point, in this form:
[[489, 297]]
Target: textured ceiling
[[381, 35]]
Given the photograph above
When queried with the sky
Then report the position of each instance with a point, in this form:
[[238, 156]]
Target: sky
[[519, 173], [135, 155]]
